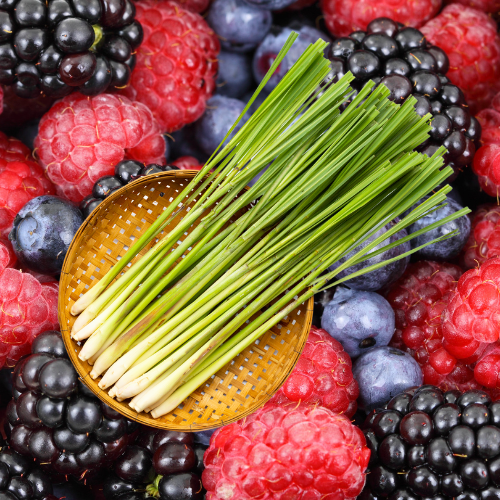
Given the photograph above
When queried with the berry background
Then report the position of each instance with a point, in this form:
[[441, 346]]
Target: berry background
[[96, 93]]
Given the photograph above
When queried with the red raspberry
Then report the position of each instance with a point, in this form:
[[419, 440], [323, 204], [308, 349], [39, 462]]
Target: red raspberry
[[27, 308], [484, 238], [187, 163], [486, 166], [323, 376], [81, 139], [418, 299], [471, 319], [469, 38], [342, 17], [281, 453], [194, 5], [20, 180], [487, 370], [176, 64], [489, 6]]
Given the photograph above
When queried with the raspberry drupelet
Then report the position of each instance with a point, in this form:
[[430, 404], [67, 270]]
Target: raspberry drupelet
[[469, 38], [344, 16], [81, 139], [418, 299], [21, 179], [280, 452], [471, 319], [27, 308], [322, 376], [176, 64], [484, 238]]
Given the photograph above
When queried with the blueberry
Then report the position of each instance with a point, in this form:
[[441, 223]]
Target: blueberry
[[221, 113], [239, 25], [235, 74], [446, 249], [270, 4], [183, 143], [359, 320], [383, 276], [203, 437], [271, 45], [42, 232], [383, 373]]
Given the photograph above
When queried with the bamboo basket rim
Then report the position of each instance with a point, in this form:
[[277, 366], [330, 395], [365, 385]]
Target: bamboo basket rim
[[88, 226]]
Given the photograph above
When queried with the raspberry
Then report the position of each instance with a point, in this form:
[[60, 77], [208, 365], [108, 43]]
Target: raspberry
[[469, 38], [418, 299], [20, 180], [176, 64], [489, 6], [81, 139], [484, 238], [187, 163], [344, 16], [471, 319], [27, 308], [486, 166], [323, 376], [194, 5], [284, 453]]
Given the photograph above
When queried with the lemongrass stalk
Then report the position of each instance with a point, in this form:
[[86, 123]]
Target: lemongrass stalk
[[114, 351], [177, 377], [180, 323], [83, 302], [138, 401], [207, 324]]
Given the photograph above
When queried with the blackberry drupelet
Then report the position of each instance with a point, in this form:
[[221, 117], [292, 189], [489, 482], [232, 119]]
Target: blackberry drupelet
[[55, 421], [54, 47], [401, 58], [426, 443], [21, 480], [167, 465], [126, 171]]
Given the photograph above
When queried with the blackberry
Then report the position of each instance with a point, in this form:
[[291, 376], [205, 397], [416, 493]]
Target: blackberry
[[56, 422], [126, 171], [21, 480], [57, 46], [427, 443], [168, 467], [401, 58]]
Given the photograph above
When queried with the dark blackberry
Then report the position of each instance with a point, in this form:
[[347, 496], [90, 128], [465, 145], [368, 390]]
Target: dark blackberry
[[167, 465], [58, 424], [447, 445], [401, 59], [57, 46], [20, 479], [126, 171]]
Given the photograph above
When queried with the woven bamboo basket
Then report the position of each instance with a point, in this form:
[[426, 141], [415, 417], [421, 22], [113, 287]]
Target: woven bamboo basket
[[235, 391]]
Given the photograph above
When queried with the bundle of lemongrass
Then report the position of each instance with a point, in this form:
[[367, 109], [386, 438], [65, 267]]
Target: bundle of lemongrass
[[334, 179]]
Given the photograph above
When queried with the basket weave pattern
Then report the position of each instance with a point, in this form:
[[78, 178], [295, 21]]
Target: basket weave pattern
[[236, 390]]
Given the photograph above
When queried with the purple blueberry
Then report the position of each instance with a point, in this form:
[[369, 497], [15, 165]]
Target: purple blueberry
[[239, 25], [42, 232], [270, 4], [447, 249], [219, 117], [203, 437], [360, 321], [235, 74], [183, 143], [383, 276], [382, 374], [268, 50]]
